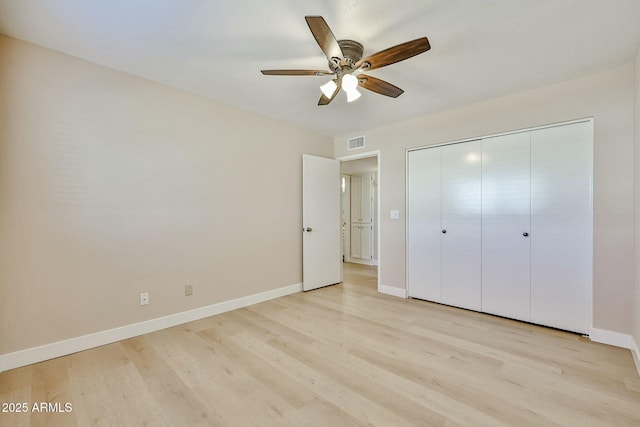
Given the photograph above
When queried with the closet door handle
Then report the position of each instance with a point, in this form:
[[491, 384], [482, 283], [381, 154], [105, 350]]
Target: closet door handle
[[444, 231], [525, 234]]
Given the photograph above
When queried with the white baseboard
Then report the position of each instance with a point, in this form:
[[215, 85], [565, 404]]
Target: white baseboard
[[85, 342], [636, 356], [363, 261], [617, 339], [393, 291]]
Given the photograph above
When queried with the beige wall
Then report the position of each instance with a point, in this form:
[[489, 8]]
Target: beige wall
[[606, 96], [351, 167], [111, 185]]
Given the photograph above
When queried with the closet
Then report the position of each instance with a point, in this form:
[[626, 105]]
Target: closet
[[362, 190], [503, 225]]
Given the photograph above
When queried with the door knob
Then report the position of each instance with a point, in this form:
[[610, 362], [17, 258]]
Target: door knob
[[308, 229], [525, 234], [444, 231]]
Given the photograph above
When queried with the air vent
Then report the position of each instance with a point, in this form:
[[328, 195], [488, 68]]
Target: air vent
[[355, 143]]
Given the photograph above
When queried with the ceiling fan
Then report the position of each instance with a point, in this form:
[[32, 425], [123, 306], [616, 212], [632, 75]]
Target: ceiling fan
[[346, 63]]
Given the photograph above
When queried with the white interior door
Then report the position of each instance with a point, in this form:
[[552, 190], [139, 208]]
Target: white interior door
[[424, 226], [506, 222], [321, 264], [461, 227], [561, 226]]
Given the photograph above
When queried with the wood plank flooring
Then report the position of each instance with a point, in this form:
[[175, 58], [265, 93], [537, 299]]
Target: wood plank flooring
[[338, 356]]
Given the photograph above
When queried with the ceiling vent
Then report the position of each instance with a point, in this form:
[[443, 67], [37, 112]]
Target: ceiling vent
[[355, 143]]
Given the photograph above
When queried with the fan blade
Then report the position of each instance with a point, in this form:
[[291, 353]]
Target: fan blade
[[324, 100], [379, 86], [396, 54], [296, 72], [325, 38]]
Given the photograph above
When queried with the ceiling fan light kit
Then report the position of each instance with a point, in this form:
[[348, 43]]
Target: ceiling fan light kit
[[350, 86], [328, 88], [346, 63]]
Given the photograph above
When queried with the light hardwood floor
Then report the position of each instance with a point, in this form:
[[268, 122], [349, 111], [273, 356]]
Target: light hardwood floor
[[338, 356]]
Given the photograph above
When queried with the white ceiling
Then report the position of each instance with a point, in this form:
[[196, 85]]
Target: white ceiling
[[480, 48]]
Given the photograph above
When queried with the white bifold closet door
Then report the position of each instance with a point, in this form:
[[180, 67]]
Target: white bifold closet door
[[424, 220], [562, 226], [444, 225], [506, 224], [361, 198], [461, 226]]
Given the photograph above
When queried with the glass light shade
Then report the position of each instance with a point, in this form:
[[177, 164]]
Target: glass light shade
[[352, 95], [329, 88], [350, 84]]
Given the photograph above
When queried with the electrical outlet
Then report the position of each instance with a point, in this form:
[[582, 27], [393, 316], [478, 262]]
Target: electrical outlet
[[144, 298], [188, 290]]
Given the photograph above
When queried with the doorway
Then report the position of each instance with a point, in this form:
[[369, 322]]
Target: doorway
[[360, 197]]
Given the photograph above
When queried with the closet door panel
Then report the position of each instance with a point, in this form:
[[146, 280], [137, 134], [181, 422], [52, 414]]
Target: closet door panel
[[562, 226], [356, 241], [366, 239], [424, 224], [461, 244], [505, 221], [367, 202], [356, 198]]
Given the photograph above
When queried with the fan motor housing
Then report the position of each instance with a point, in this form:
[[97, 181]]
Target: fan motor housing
[[351, 52]]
